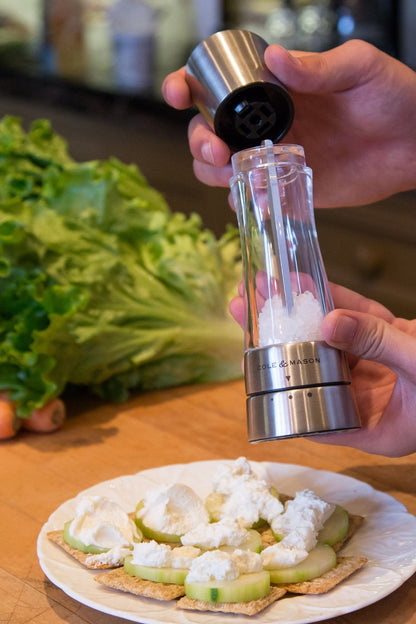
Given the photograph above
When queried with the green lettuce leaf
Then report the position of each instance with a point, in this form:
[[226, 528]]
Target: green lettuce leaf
[[101, 285]]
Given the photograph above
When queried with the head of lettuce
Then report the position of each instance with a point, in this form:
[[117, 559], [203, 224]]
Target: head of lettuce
[[101, 285]]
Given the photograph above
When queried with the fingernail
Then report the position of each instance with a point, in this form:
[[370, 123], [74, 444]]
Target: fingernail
[[344, 329], [206, 153]]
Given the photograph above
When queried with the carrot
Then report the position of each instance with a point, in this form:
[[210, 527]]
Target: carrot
[[46, 419], [9, 422]]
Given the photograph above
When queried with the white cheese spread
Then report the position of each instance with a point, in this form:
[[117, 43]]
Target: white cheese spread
[[247, 561], [246, 497], [281, 556], [174, 509], [113, 557], [298, 526], [183, 556], [226, 532], [157, 555], [301, 520], [101, 522], [216, 565]]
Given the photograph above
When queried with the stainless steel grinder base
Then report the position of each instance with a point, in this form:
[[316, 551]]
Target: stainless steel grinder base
[[297, 389]]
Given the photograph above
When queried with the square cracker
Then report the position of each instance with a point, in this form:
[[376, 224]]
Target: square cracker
[[244, 608], [119, 579], [57, 537], [344, 568]]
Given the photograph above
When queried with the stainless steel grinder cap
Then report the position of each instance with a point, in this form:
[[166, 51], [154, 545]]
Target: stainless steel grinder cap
[[232, 87]]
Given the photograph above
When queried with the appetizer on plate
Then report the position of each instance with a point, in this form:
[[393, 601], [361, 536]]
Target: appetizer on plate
[[100, 535], [218, 562]]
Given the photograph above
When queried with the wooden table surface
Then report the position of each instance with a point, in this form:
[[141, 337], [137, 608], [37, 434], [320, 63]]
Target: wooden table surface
[[102, 441]]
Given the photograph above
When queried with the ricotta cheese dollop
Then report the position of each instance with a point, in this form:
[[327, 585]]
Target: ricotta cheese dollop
[[225, 532], [158, 555], [282, 556], [216, 565], [302, 518], [173, 508], [298, 526], [99, 521], [246, 497]]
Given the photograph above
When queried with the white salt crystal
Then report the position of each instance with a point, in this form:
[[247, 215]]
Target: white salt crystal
[[303, 323]]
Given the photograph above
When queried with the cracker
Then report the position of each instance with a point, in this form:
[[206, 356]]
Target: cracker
[[119, 579], [344, 568], [244, 608], [81, 557], [267, 538]]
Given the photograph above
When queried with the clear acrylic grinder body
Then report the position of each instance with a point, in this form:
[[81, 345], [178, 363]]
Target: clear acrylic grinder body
[[296, 384]]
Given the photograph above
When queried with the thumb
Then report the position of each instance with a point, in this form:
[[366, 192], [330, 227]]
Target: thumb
[[371, 338], [337, 69]]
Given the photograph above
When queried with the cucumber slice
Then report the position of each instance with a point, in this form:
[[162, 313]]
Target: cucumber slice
[[252, 542], [321, 559], [150, 533], [75, 543], [159, 575], [335, 528], [243, 589]]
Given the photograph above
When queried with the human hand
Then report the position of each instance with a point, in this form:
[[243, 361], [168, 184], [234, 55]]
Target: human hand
[[381, 351], [355, 115]]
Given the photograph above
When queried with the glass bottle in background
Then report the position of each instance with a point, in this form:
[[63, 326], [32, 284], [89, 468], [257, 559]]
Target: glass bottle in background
[[98, 44], [133, 25], [63, 52], [175, 36]]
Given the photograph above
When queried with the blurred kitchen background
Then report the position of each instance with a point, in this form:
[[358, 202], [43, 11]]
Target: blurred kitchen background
[[95, 67]]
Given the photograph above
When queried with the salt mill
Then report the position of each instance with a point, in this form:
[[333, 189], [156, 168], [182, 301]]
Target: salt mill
[[296, 384]]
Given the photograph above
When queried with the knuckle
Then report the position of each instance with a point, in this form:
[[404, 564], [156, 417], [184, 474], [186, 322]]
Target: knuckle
[[372, 340]]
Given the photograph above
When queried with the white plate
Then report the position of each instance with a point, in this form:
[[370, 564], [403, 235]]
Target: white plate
[[387, 538]]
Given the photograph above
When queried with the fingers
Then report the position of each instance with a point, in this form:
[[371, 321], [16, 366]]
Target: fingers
[[205, 145], [372, 338], [338, 69], [351, 300], [236, 308], [212, 176], [176, 91]]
